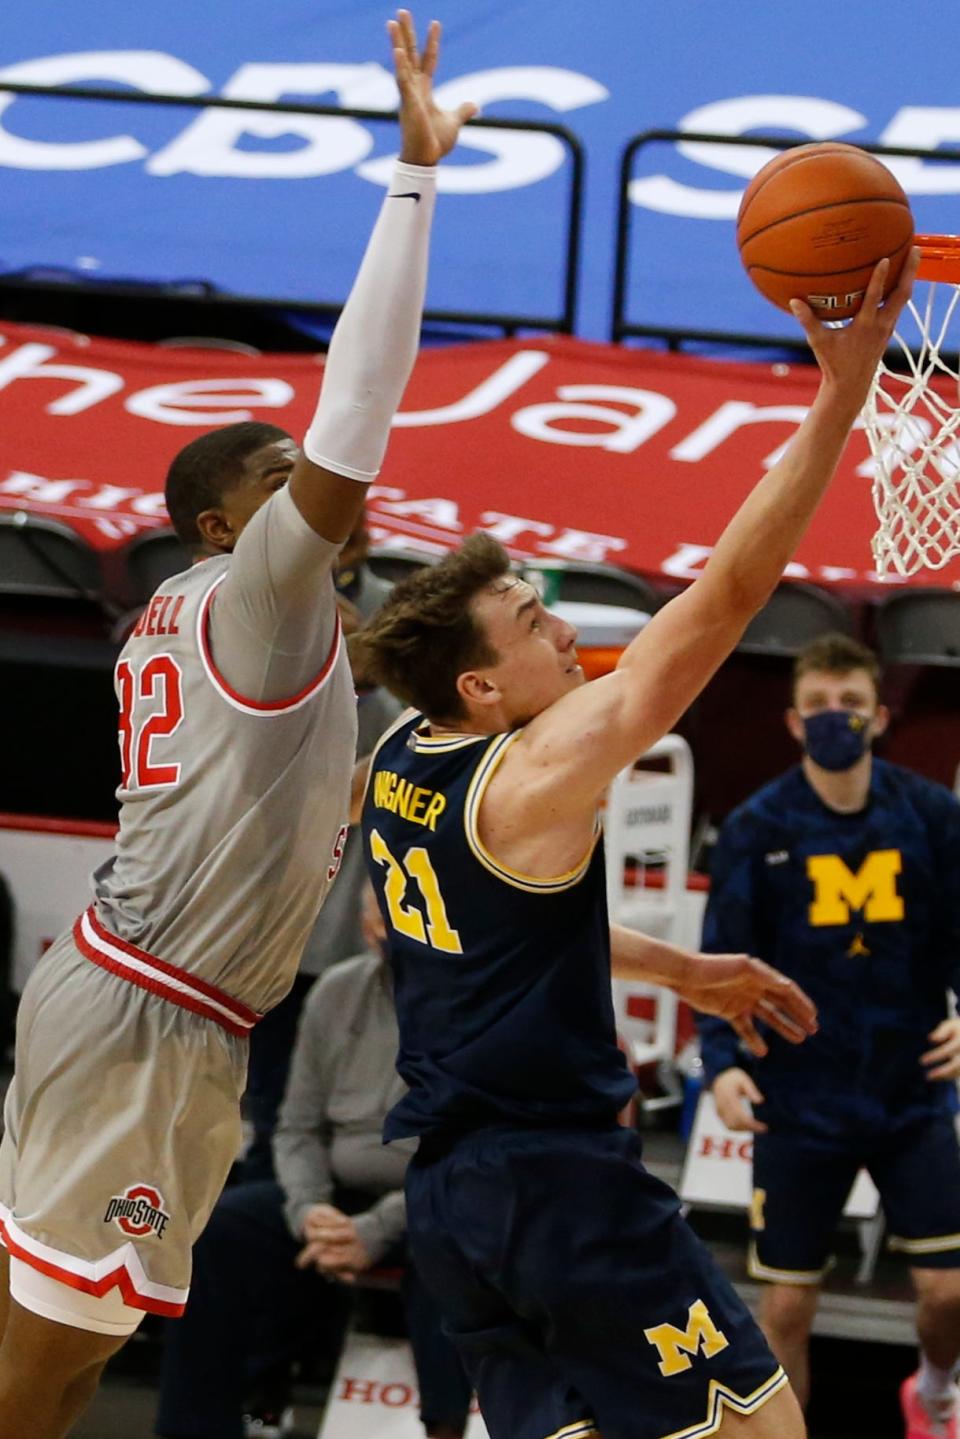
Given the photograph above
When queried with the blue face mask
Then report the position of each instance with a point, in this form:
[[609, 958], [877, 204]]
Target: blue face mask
[[836, 739]]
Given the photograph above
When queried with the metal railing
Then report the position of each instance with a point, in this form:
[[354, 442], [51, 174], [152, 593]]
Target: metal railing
[[562, 321], [622, 327]]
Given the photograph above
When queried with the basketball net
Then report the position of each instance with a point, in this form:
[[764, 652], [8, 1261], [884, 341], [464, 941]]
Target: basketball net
[[912, 420]]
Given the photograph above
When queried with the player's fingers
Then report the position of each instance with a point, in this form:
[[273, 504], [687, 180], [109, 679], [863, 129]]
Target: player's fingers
[[401, 60], [784, 1024], [944, 1030], [467, 111], [801, 311], [789, 999], [750, 1091], [431, 50], [408, 30], [747, 1031], [900, 293], [873, 296]]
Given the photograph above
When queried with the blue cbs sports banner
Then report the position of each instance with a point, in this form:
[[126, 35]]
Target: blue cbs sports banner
[[261, 205]]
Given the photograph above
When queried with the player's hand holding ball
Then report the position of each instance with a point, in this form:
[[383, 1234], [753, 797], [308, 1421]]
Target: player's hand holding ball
[[826, 232]]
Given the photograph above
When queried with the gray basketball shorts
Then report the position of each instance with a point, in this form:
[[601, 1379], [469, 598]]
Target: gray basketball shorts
[[121, 1123]]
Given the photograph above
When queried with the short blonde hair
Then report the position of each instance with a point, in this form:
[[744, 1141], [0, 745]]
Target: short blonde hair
[[836, 654]]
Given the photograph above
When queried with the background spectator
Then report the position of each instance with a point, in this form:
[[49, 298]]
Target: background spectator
[[842, 874]]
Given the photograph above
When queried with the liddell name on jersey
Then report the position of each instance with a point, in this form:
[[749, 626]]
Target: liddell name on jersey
[[161, 616]]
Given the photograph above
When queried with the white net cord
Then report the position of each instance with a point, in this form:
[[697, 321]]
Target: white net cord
[[912, 421]]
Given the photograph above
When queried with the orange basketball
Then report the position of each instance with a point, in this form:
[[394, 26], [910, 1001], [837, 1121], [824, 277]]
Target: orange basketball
[[815, 221]]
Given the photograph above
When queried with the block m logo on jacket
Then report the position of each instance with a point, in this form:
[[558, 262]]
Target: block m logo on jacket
[[873, 888]]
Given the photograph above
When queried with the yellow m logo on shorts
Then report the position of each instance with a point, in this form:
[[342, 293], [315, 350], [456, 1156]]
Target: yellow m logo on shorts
[[837, 890], [701, 1336], [757, 1220]]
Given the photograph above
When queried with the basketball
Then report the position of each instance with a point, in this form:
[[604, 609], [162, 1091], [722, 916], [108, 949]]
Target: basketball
[[814, 222]]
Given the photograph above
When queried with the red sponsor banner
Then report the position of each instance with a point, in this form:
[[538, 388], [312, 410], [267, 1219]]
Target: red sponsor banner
[[559, 447]]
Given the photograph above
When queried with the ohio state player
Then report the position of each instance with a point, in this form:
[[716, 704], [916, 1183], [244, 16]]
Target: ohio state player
[[237, 732]]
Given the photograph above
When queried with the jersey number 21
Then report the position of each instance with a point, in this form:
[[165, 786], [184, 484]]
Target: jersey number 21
[[407, 919]]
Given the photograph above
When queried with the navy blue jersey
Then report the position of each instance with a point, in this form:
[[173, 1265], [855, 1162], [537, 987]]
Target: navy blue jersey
[[502, 981], [863, 911]]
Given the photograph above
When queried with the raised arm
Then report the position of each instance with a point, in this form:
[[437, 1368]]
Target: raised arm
[[376, 339], [571, 751], [274, 619]]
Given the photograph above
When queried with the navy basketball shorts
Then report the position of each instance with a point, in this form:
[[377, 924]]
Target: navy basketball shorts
[[802, 1180], [580, 1301]]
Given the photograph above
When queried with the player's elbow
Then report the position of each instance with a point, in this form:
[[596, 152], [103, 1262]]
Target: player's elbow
[[733, 597]]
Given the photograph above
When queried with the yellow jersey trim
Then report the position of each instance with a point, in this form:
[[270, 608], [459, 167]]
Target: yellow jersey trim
[[581, 1429], [443, 743], [801, 1277], [936, 1244], [471, 815], [720, 1398]]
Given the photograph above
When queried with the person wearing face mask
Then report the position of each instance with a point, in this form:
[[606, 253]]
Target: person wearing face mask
[[842, 874]]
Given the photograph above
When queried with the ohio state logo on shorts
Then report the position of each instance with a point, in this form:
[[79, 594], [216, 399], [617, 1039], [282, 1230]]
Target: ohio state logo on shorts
[[138, 1211]]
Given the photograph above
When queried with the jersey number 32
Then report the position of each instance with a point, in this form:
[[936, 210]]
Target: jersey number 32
[[157, 688]]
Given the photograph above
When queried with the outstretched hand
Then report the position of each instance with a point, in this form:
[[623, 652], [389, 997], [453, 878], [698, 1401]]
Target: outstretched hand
[[427, 132], [848, 355], [742, 990]]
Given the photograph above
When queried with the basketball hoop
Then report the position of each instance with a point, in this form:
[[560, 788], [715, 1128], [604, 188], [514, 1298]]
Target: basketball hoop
[[912, 420]]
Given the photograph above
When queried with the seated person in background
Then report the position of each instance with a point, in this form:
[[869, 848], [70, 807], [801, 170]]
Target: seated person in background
[[275, 1252], [337, 931], [842, 873]]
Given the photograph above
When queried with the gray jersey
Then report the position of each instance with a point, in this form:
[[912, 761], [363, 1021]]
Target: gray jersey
[[237, 738]]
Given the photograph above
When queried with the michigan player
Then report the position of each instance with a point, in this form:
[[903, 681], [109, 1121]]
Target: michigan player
[[842, 872], [581, 1302], [237, 732]]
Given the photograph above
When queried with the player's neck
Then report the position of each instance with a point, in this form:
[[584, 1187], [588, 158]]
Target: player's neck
[[469, 726], [479, 720], [846, 790]]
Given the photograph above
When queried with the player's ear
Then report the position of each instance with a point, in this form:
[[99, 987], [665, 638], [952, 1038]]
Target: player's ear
[[216, 529], [880, 721], [794, 724], [476, 689]]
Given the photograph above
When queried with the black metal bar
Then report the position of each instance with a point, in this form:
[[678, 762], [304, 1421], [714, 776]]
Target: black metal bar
[[620, 327], [574, 236], [509, 323], [166, 293]]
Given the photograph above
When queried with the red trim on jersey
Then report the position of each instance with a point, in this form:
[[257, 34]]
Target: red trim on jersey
[[119, 1278], [266, 707], [200, 991]]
